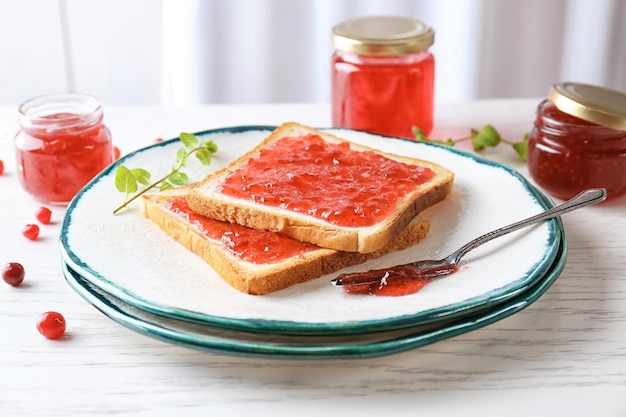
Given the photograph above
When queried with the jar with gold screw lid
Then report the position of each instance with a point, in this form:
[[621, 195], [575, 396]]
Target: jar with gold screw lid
[[383, 75], [579, 141]]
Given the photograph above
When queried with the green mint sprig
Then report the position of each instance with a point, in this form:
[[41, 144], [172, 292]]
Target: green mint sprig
[[488, 136], [127, 180]]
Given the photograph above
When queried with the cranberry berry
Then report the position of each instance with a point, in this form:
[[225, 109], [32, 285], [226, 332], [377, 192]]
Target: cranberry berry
[[13, 273], [116, 153], [31, 231], [43, 214], [51, 324]]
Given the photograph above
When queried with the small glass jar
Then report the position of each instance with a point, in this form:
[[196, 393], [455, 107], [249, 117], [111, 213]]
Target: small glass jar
[[579, 141], [383, 75], [61, 145]]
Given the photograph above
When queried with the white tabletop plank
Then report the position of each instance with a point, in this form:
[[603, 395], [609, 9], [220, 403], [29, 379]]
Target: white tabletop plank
[[563, 355]]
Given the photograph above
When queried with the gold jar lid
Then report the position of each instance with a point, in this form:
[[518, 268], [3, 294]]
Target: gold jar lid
[[382, 35], [594, 104]]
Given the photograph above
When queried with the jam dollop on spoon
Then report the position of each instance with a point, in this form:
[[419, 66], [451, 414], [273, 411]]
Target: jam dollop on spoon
[[410, 278]]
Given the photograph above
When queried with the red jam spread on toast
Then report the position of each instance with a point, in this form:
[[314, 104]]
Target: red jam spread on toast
[[329, 181], [249, 245]]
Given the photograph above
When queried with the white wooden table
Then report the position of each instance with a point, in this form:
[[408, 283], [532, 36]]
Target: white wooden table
[[565, 355]]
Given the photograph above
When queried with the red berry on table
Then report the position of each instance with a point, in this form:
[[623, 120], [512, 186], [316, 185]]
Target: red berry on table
[[43, 214], [1, 167], [31, 231], [116, 153], [13, 273], [51, 324]]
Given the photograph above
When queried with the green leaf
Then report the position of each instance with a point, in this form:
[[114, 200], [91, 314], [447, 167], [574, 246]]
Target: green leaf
[[181, 157], [189, 140], [488, 136], [419, 135], [204, 155], [210, 146], [521, 148], [178, 178], [125, 182], [165, 186], [141, 175], [475, 143]]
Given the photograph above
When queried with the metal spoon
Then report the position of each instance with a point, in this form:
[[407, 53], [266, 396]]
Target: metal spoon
[[448, 265]]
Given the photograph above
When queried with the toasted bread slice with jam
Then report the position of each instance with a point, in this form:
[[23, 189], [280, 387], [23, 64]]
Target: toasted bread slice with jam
[[316, 187], [257, 261]]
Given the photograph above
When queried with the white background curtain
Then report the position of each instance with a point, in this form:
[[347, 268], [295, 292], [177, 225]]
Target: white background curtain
[[278, 50], [181, 52]]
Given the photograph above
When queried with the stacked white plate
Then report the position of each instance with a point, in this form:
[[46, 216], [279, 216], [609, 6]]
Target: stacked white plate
[[138, 276]]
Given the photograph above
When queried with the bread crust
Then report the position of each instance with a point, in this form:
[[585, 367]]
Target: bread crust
[[205, 199], [264, 279]]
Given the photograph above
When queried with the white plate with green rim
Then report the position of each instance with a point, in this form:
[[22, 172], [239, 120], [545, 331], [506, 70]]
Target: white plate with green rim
[[128, 257], [264, 345]]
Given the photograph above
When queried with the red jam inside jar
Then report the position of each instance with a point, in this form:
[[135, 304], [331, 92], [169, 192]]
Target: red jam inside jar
[[568, 154], [383, 76], [62, 144]]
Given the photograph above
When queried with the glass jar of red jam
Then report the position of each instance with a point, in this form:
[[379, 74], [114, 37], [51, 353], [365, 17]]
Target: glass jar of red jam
[[383, 75], [61, 145], [579, 141]]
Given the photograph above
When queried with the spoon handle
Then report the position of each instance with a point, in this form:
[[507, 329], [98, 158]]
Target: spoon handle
[[585, 198]]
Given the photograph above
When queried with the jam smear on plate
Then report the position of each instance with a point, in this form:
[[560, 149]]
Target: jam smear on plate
[[394, 281]]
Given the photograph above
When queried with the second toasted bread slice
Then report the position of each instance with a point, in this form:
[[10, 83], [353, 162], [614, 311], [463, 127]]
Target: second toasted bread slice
[[256, 261], [319, 188]]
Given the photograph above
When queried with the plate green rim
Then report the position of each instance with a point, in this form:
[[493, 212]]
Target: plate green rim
[[378, 348], [470, 306]]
